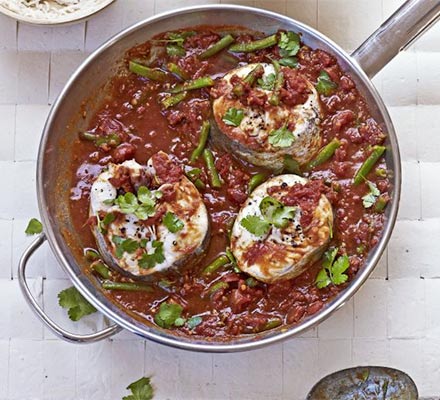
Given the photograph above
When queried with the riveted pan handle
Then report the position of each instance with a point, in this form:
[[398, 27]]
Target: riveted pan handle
[[57, 330], [397, 33]]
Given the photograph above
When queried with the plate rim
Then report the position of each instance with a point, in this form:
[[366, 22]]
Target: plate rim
[[64, 20]]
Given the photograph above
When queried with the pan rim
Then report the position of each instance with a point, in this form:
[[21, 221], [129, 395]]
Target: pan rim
[[120, 317]]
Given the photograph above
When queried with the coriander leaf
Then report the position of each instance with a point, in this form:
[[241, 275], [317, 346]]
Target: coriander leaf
[[128, 203], [175, 50], [168, 314], [34, 227], [267, 82], [109, 202], [338, 269], [276, 212], [329, 257], [119, 251], [175, 43], [325, 85], [179, 322], [370, 198], [173, 223], [289, 44], [148, 261], [141, 390], [255, 225], [291, 62], [76, 304], [144, 211], [108, 219], [145, 196], [333, 269], [193, 322], [281, 137], [322, 280], [233, 117], [130, 245]]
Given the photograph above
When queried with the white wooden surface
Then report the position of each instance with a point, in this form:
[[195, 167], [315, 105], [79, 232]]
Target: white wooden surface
[[394, 320]]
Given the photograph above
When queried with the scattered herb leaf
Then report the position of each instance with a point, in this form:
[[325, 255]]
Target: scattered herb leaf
[[148, 261], [168, 314], [141, 390], [193, 322], [370, 198], [172, 222], [128, 203], [267, 82], [281, 137], [289, 44], [75, 303], [233, 117], [108, 219], [34, 227], [291, 62], [332, 269], [325, 85], [255, 225], [179, 322], [276, 213]]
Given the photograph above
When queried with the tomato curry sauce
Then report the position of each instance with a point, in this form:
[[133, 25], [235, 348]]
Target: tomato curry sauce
[[214, 298]]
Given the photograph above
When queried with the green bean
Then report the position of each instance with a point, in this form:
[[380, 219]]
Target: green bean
[[193, 175], [176, 70], [381, 172], [101, 269], [291, 165], [209, 160], [324, 154], [88, 136], [204, 81], [231, 256], [249, 47], [271, 324], [368, 164], [381, 203], [112, 139], [153, 74], [126, 286], [217, 286], [255, 181], [198, 183], [279, 81], [91, 254], [217, 47], [250, 79], [216, 264], [173, 99], [204, 133]]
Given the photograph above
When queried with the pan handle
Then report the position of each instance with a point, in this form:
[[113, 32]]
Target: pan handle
[[397, 33], [57, 330]]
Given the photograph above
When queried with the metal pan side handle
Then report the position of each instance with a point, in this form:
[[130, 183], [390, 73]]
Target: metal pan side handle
[[56, 329], [397, 33]]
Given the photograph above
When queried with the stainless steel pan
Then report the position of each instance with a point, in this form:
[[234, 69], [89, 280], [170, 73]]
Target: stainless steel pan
[[86, 85]]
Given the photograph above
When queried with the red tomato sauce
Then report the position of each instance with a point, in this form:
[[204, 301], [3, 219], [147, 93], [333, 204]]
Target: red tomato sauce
[[133, 111]]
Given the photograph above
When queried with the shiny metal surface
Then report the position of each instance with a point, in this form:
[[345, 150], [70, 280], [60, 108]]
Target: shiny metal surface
[[87, 85], [397, 33], [39, 312]]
